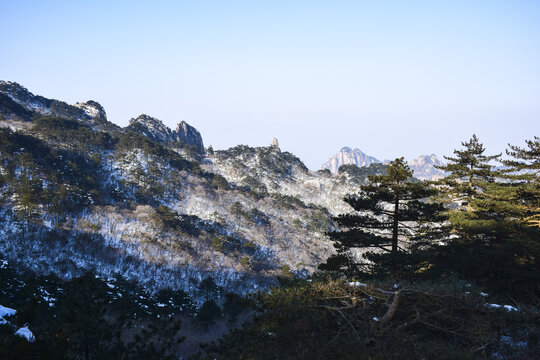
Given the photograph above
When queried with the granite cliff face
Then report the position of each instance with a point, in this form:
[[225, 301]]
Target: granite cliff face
[[348, 156], [156, 130], [186, 133]]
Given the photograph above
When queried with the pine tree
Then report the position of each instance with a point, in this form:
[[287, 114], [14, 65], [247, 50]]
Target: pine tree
[[389, 225], [518, 202], [27, 188], [491, 242], [525, 169], [468, 171]]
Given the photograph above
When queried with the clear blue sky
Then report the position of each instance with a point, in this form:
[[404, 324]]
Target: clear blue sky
[[393, 78]]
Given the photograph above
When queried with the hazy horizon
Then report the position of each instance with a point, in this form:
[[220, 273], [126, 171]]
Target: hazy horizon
[[391, 79]]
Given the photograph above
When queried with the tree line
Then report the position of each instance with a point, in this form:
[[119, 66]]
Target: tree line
[[480, 222]]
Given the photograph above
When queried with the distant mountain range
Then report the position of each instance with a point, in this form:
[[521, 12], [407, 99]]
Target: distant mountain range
[[423, 166]]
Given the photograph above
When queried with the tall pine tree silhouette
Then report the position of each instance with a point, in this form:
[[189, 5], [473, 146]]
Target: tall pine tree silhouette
[[392, 220]]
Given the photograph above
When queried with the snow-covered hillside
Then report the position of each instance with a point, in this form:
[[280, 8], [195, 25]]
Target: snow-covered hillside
[[149, 203]]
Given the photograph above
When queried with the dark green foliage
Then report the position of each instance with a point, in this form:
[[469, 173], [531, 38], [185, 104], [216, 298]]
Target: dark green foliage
[[72, 133], [253, 216], [169, 218], [390, 210], [255, 187], [219, 182], [332, 320], [61, 180], [469, 171], [324, 172], [88, 318], [62, 109], [258, 217], [524, 171], [361, 174], [209, 312], [288, 201], [81, 314], [269, 159], [126, 141], [237, 209], [218, 243], [209, 288], [11, 108], [496, 242], [234, 305]]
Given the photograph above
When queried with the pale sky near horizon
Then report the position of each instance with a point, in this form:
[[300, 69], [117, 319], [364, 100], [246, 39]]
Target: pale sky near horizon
[[393, 78]]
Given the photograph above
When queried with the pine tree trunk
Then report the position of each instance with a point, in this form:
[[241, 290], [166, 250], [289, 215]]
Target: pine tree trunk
[[469, 198], [395, 237]]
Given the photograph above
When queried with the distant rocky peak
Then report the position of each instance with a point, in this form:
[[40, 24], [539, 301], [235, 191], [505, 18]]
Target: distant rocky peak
[[424, 167], [36, 104], [187, 134], [425, 159], [275, 145], [348, 156], [152, 128], [149, 121], [93, 109], [156, 130]]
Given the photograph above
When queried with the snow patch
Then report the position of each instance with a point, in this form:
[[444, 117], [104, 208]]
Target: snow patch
[[508, 308], [5, 311], [26, 333]]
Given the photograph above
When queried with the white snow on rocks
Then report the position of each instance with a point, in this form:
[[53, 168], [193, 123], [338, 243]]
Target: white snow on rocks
[[26, 333], [5, 311]]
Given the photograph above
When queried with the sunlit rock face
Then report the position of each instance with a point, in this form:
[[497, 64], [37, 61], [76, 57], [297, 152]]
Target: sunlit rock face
[[424, 167], [156, 130], [347, 156]]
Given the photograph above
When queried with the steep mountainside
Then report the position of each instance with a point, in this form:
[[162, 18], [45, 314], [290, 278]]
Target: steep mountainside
[[78, 192]]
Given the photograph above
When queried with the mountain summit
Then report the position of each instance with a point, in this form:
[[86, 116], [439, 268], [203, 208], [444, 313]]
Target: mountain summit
[[17, 103], [423, 166], [348, 156], [156, 130]]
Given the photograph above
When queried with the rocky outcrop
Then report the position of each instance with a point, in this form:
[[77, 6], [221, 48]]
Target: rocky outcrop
[[92, 109], [156, 130], [152, 128], [187, 134], [348, 156], [21, 104]]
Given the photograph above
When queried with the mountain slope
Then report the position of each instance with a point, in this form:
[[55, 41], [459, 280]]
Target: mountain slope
[[78, 192]]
